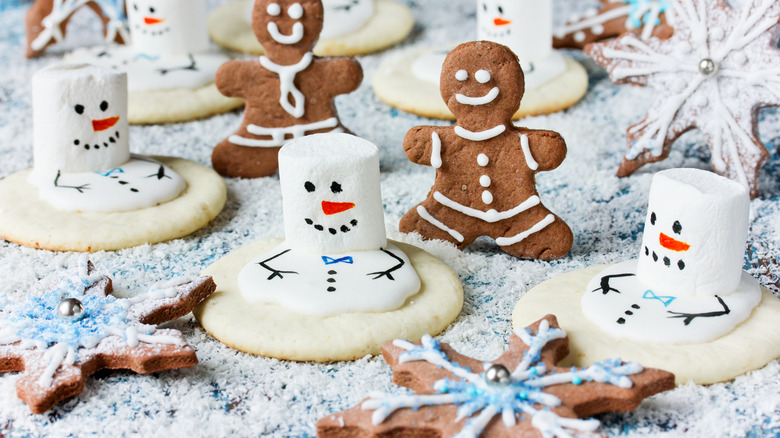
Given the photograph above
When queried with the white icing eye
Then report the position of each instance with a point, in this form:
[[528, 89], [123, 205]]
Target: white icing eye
[[462, 75], [296, 11], [274, 9], [482, 76]]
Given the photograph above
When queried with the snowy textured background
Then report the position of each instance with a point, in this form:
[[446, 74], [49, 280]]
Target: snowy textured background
[[232, 392]]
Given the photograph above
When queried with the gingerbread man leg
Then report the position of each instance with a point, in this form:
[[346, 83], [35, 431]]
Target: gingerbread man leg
[[435, 221], [539, 235], [232, 160]]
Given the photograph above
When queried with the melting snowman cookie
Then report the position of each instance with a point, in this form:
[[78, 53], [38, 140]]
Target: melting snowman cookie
[[86, 191], [684, 304], [170, 52], [552, 81], [335, 249], [688, 284], [334, 288]]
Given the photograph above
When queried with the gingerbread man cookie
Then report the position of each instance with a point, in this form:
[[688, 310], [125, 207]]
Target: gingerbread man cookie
[[46, 21], [289, 92], [522, 393], [485, 166], [78, 328]]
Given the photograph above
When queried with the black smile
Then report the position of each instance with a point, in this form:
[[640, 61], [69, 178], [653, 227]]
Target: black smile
[[334, 231]]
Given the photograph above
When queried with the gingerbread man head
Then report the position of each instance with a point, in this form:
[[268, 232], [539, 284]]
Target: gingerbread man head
[[287, 28], [482, 81]]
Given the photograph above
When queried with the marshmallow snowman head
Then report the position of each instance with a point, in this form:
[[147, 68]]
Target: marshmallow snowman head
[[330, 194], [168, 27], [79, 119], [695, 234], [525, 26]]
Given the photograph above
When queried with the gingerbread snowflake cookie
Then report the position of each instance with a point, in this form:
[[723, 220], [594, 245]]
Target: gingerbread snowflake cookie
[[613, 18], [47, 20], [685, 302], [78, 328], [485, 166], [334, 270], [289, 92], [86, 191], [718, 69], [522, 393]]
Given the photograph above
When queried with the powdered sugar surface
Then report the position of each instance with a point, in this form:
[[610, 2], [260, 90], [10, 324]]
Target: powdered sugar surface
[[232, 392]]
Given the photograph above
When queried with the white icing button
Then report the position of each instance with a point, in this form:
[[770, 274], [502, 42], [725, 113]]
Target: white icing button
[[274, 9], [295, 11], [591, 12], [461, 75], [484, 181], [579, 36], [597, 29], [482, 160], [487, 197], [482, 76]]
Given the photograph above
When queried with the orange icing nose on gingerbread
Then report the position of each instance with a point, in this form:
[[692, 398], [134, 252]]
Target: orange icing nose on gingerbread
[[103, 124]]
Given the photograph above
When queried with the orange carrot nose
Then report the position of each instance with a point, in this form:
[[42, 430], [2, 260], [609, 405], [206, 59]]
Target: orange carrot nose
[[501, 22], [672, 244], [152, 20], [330, 208], [103, 124]]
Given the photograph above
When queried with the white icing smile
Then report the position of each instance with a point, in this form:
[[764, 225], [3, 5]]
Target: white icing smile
[[477, 101], [295, 37]]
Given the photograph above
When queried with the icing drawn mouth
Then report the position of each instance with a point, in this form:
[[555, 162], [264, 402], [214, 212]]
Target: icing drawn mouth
[[152, 21], [331, 208], [103, 124], [96, 145], [476, 101], [672, 244], [666, 260], [295, 37], [344, 228]]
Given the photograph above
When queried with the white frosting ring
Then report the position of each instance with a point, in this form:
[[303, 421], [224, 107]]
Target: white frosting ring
[[295, 37]]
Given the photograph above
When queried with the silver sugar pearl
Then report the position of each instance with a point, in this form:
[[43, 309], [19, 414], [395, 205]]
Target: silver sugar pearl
[[707, 67], [71, 308], [498, 375]]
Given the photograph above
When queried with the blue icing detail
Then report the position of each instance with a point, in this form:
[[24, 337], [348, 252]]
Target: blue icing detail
[[111, 172], [666, 300], [638, 18]]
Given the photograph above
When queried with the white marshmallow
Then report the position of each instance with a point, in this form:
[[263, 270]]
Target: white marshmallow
[[322, 176], [706, 215], [79, 120], [525, 26], [168, 27]]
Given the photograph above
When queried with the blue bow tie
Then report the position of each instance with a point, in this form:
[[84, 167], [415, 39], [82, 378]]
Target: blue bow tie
[[111, 172], [650, 295], [332, 261]]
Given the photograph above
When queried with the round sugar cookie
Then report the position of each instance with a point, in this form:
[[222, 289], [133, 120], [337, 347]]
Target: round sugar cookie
[[177, 105], [750, 346], [391, 23], [396, 84], [272, 330], [29, 221]]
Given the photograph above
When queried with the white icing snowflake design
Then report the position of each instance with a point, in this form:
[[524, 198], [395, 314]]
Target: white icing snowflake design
[[720, 66], [63, 9], [481, 399], [54, 348]]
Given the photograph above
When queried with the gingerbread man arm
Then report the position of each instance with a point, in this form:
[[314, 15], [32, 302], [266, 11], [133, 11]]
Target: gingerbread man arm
[[422, 145], [233, 77], [543, 150], [345, 74]]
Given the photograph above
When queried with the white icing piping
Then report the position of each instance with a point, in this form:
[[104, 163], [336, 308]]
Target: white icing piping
[[491, 215], [476, 101], [295, 37], [506, 241], [435, 150], [278, 134], [287, 75], [529, 159], [438, 224], [479, 135], [61, 10], [598, 20]]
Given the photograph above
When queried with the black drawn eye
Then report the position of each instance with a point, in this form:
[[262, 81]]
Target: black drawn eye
[[309, 186], [151, 10], [677, 228], [484, 6], [652, 218], [103, 105], [335, 187], [79, 109], [501, 10], [135, 6]]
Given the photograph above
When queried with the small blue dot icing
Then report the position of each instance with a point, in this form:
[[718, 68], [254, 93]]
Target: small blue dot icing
[[639, 15]]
